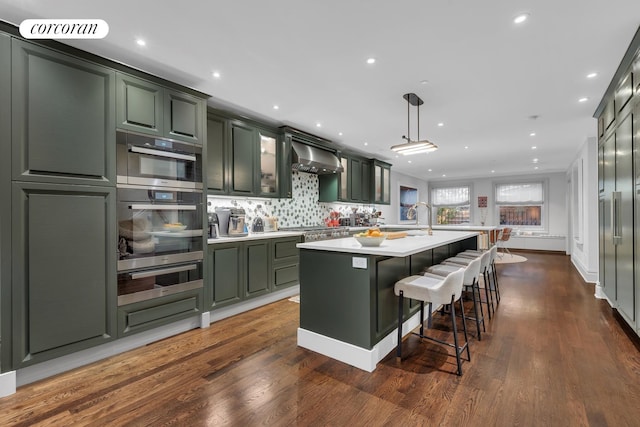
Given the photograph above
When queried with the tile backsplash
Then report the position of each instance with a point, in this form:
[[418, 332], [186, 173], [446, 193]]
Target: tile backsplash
[[303, 209]]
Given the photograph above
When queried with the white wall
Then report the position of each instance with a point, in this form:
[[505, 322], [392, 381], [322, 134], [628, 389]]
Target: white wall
[[584, 253], [391, 213], [555, 203]]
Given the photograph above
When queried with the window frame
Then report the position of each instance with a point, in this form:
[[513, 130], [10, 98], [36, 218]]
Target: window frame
[[434, 207], [544, 217]]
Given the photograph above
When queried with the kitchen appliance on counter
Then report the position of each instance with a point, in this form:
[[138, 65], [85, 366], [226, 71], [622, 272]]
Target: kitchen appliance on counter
[[270, 224], [223, 214], [237, 225], [214, 225], [315, 233], [258, 225], [159, 211]]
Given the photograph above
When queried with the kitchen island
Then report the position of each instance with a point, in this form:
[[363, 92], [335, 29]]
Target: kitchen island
[[348, 309]]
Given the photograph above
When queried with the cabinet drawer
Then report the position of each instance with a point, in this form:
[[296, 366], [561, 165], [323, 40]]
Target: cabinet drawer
[[138, 317], [284, 249], [286, 276], [624, 92]]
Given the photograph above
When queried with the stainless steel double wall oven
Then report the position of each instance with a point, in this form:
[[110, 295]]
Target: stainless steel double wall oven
[[160, 217]]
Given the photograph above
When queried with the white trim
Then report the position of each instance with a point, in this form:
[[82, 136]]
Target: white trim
[[599, 293], [241, 307], [587, 276], [353, 355], [7, 383]]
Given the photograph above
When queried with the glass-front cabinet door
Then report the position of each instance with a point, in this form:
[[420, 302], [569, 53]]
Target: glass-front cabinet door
[[268, 163], [381, 182], [343, 179]]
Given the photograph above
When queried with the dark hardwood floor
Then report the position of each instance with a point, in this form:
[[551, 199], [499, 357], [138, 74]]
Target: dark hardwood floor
[[553, 355]]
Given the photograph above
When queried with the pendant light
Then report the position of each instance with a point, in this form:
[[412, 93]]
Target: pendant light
[[417, 146]]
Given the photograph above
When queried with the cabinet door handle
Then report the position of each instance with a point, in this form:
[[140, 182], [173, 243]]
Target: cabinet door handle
[[161, 271], [616, 233], [142, 150], [151, 207]]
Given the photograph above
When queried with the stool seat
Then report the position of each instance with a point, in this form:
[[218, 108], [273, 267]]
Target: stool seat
[[423, 288]]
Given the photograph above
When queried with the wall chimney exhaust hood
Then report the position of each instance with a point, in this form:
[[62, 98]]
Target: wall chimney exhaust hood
[[307, 158]]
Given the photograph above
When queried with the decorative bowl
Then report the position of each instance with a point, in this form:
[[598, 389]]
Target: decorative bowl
[[370, 241]]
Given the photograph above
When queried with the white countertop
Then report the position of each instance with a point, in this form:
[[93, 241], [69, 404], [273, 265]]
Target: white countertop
[[396, 247], [435, 227], [255, 236]]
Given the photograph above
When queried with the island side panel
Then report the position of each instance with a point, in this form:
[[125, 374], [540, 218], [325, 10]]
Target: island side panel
[[336, 299], [388, 271]]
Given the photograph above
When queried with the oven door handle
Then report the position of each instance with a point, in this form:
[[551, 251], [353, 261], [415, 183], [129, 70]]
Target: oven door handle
[[142, 150], [150, 207], [152, 273]]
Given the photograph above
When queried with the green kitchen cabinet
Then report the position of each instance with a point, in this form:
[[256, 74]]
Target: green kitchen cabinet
[[226, 273], [63, 270], [145, 315], [354, 180], [62, 117], [257, 265], [285, 260], [5, 193], [140, 105], [353, 184], [150, 108], [381, 188], [242, 151], [217, 128], [246, 159]]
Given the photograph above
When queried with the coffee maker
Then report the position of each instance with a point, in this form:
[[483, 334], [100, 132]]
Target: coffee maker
[[214, 226], [237, 225], [223, 220]]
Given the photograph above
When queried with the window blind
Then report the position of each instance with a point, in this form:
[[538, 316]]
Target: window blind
[[450, 196], [526, 193]]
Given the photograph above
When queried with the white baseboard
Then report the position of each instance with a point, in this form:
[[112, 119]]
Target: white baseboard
[[599, 293], [241, 307], [353, 355], [587, 276], [7, 383]]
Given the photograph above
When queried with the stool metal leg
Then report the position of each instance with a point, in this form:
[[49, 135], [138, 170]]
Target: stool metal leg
[[400, 315], [464, 329], [475, 309], [421, 317], [455, 336], [495, 281], [487, 293]]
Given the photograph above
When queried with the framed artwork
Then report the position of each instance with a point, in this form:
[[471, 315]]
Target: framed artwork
[[408, 198]]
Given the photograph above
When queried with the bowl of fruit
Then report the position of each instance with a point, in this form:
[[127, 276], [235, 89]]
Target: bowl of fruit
[[371, 237], [174, 226]]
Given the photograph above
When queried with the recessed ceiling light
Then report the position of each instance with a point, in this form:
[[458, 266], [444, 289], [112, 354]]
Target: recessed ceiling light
[[440, 124], [397, 156], [533, 147], [275, 107], [366, 143], [493, 171], [424, 82], [535, 160], [592, 75], [583, 99], [430, 170], [216, 74], [339, 133], [466, 147], [521, 18], [408, 161], [536, 168], [371, 61], [141, 42], [443, 175], [318, 125], [532, 134]]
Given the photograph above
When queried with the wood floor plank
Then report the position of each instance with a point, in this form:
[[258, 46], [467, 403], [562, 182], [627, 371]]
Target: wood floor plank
[[552, 355]]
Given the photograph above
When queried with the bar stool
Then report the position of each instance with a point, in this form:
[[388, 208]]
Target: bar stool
[[493, 287], [485, 258], [470, 280], [435, 290]]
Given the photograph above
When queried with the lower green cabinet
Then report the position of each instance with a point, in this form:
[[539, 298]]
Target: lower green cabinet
[[146, 315], [63, 270], [250, 268]]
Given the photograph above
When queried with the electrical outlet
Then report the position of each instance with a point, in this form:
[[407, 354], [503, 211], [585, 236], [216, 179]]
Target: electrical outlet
[[359, 262]]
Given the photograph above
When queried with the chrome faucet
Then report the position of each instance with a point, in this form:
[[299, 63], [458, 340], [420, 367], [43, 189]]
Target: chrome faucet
[[415, 209]]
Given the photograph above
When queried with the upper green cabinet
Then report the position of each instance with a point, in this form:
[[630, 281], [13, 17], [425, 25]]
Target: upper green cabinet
[[381, 193], [146, 107], [244, 159], [362, 181], [62, 117]]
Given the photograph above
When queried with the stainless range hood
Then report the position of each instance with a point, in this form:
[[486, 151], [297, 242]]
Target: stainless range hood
[[307, 158]]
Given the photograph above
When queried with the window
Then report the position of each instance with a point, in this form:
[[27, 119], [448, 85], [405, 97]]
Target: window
[[451, 205], [520, 204]]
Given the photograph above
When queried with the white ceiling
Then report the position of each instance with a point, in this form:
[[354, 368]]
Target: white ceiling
[[486, 75]]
